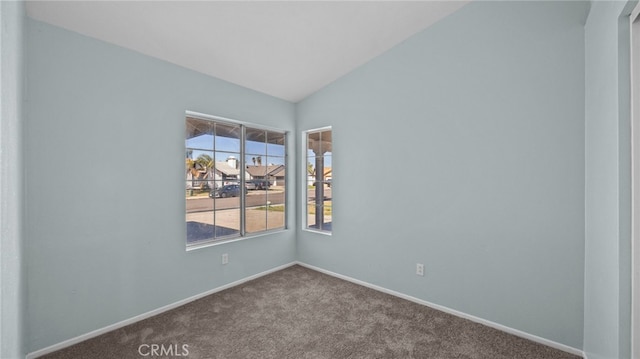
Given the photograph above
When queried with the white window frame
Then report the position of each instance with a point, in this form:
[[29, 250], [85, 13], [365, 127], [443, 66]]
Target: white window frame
[[304, 182], [242, 233], [635, 187]]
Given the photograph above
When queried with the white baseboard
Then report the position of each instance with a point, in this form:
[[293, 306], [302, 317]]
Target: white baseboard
[[137, 318], [441, 308], [118, 325]]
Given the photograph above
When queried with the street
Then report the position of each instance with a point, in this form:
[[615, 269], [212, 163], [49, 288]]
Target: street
[[254, 198]]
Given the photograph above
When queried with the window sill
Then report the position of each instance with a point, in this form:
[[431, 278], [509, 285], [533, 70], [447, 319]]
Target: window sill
[[317, 231], [196, 246]]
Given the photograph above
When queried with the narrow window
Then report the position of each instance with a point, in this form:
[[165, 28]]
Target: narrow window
[[319, 176], [234, 180]]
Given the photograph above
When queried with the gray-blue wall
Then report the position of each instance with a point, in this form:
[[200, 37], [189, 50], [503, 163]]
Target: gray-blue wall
[[608, 185], [463, 149], [12, 274], [104, 137]]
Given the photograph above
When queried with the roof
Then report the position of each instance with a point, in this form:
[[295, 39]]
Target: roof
[[223, 166], [262, 171], [327, 172], [279, 173]]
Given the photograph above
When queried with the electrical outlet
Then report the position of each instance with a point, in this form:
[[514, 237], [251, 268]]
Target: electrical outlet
[[420, 269], [225, 258]]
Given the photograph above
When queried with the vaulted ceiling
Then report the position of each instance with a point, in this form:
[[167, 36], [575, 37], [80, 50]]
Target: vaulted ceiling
[[287, 49]]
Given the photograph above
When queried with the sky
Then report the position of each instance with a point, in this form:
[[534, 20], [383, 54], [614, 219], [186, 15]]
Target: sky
[[226, 146]]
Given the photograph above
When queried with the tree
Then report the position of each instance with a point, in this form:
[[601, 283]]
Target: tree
[[206, 164], [191, 169], [259, 159], [205, 161]]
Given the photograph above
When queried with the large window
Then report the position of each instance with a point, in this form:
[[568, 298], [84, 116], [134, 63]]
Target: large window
[[235, 179], [319, 176]]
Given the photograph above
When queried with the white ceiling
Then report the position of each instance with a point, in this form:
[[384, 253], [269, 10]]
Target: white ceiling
[[287, 49]]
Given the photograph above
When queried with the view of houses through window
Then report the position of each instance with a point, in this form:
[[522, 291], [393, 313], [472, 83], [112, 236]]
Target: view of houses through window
[[235, 180], [319, 151]]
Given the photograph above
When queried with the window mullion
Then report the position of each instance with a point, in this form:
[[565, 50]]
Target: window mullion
[[243, 211], [215, 183]]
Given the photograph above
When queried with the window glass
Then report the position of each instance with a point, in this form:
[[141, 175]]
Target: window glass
[[319, 176], [234, 187]]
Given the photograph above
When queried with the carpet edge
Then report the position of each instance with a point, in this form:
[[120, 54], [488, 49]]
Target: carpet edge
[[494, 325], [151, 313]]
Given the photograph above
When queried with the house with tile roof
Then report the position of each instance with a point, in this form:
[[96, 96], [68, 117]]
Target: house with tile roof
[[273, 173]]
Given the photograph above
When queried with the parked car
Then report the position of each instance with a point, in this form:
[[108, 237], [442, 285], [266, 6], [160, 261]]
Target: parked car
[[259, 183], [230, 190]]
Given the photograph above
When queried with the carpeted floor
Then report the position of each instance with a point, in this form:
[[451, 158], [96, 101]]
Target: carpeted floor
[[300, 313]]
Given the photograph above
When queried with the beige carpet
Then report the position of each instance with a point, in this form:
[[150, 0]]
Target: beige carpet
[[300, 313]]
